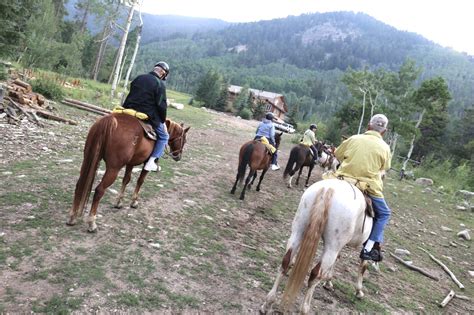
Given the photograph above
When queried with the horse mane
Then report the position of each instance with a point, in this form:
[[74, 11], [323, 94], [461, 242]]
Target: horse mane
[[309, 244]]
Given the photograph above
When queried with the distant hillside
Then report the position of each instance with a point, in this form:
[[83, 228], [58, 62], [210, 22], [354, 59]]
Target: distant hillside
[[295, 53], [157, 27]]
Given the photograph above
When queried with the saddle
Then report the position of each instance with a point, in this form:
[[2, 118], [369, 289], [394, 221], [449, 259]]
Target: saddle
[[150, 133], [271, 149], [142, 117], [362, 186]]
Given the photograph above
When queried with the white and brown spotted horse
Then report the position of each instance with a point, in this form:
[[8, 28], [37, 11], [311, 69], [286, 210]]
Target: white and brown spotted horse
[[334, 210]]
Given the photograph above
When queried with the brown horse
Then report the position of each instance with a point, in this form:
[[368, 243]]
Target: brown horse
[[300, 156], [120, 141], [255, 155]]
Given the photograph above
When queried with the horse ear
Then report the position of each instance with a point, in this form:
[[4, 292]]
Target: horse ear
[[281, 133], [187, 129], [181, 124]]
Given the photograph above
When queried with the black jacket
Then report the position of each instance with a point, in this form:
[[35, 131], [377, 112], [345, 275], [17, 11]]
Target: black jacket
[[148, 95]]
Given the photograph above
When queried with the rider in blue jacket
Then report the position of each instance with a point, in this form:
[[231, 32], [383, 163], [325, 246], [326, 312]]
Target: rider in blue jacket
[[267, 129]]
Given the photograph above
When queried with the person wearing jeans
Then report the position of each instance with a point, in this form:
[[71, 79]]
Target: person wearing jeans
[[148, 95], [267, 129], [364, 157]]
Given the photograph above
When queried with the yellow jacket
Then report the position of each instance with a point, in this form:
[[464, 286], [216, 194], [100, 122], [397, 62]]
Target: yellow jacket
[[363, 157], [309, 138]]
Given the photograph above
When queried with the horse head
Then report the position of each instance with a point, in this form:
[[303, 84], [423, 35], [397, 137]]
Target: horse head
[[278, 139], [320, 147], [177, 139]]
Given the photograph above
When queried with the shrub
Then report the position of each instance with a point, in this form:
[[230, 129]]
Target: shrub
[[49, 88], [245, 113], [444, 173]]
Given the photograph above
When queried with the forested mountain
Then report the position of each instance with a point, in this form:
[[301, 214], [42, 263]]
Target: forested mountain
[[335, 69], [304, 56], [156, 26]]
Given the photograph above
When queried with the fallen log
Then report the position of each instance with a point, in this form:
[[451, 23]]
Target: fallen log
[[42, 113], [445, 268], [426, 273], [93, 110], [84, 104], [51, 116]]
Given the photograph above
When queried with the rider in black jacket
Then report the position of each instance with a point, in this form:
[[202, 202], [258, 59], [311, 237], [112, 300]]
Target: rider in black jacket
[[148, 95]]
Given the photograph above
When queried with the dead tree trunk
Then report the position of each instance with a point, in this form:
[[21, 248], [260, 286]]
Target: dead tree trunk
[[412, 143], [135, 51], [121, 50], [363, 110]]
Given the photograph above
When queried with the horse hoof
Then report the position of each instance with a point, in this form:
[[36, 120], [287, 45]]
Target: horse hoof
[[232, 192], [134, 204], [242, 198], [92, 231], [360, 294], [329, 287], [118, 206], [71, 222]]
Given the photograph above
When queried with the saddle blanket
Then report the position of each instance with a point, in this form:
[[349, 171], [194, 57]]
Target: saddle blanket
[[147, 128], [270, 148], [131, 112]]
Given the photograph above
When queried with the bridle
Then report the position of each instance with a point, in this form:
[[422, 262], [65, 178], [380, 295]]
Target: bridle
[[178, 151]]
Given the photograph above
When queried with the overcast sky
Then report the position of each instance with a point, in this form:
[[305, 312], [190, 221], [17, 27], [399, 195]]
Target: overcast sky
[[449, 23]]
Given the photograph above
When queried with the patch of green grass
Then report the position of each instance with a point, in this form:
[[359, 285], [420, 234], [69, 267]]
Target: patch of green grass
[[135, 279], [83, 272], [58, 305], [182, 301], [20, 249], [191, 116], [231, 306], [39, 275], [16, 198], [128, 299], [360, 305]]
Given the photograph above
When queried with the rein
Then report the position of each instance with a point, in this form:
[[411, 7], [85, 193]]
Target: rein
[[172, 153]]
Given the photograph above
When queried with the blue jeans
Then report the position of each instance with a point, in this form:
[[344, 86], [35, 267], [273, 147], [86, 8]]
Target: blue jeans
[[162, 140], [275, 155], [382, 215]]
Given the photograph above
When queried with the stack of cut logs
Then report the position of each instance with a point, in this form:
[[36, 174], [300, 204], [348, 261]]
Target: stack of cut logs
[[22, 93], [20, 102]]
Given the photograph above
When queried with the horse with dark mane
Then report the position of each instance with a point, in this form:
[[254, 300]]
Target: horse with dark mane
[[119, 140], [300, 156], [255, 155]]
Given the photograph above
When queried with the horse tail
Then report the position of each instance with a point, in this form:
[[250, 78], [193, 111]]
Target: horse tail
[[246, 156], [309, 244], [291, 162], [94, 150]]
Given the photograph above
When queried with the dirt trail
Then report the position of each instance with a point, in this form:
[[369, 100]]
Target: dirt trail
[[190, 246]]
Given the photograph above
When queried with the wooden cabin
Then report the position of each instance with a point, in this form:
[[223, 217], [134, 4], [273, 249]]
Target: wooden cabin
[[274, 102]]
